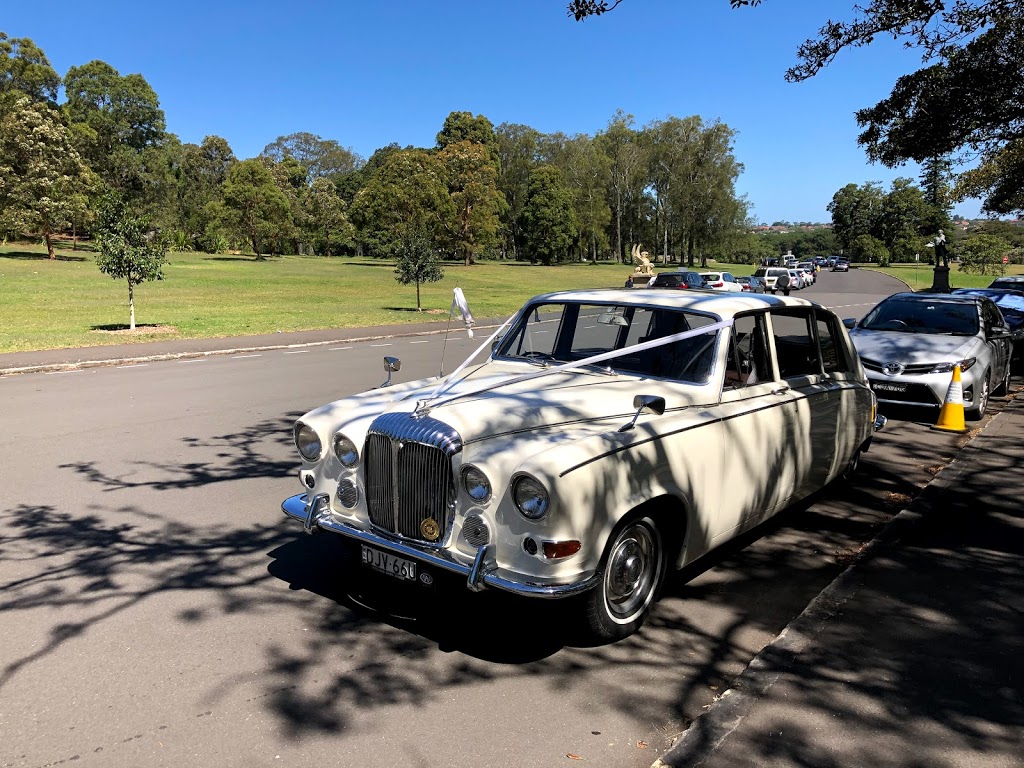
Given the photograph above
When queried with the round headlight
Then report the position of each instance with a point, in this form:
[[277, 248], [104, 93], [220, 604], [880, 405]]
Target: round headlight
[[530, 497], [476, 484], [345, 450], [307, 441]]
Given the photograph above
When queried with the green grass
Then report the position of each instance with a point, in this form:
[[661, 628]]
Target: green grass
[[69, 303], [919, 276]]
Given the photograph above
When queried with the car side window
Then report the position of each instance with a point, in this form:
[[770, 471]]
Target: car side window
[[796, 349], [991, 315], [833, 353], [748, 362]]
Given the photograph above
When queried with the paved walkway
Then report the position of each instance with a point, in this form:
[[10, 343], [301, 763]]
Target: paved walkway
[[914, 656]]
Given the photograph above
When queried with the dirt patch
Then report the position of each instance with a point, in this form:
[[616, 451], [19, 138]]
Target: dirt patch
[[138, 330]]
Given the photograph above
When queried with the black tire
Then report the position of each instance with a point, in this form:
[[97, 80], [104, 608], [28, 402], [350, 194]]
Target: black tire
[[631, 572], [1004, 386], [850, 472], [785, 292], [978, 412]]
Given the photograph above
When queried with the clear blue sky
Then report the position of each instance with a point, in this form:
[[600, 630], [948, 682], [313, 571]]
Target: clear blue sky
[[369, 72]]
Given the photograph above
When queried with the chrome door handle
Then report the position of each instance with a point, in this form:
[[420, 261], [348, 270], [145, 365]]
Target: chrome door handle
[[782, 391]]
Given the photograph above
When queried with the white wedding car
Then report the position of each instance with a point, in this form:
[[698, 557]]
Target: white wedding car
[[605, 437]]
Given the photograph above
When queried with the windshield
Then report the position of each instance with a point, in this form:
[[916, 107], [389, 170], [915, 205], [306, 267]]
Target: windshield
[[916, 316], [1012, 301], [555, 333]]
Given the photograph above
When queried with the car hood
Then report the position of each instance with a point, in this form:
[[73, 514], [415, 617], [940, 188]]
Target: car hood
[[490, 402], [910, 348]]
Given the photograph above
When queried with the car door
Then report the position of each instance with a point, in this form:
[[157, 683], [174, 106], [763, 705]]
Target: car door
[[757, 461], [1001, 346]]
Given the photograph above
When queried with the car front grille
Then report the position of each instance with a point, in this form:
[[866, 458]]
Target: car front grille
[[915, 369], [410, 486]]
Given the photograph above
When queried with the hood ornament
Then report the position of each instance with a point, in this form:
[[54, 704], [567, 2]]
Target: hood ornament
[[893, 369], [422, 409]]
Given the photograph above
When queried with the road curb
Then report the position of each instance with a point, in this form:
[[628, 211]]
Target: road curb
[[708, 731], [190, 355]]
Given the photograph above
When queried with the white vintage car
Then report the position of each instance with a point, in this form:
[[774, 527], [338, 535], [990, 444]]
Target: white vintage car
[[606, 436]]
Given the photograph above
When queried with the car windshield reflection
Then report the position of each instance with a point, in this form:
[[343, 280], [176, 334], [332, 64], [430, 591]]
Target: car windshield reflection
[[916, 316]]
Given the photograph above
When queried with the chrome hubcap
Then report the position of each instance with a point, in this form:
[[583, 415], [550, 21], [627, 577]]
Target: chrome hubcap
[[631, 572]]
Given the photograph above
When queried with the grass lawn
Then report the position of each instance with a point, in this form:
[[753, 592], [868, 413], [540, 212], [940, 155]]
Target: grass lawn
[[919, 276], [69, 303]]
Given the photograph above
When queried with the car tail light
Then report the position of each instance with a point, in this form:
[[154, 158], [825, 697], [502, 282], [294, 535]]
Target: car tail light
[[745, 287], [716, 285]]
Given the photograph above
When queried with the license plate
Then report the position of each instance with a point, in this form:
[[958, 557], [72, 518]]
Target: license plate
[[398, 567], [881, 387]]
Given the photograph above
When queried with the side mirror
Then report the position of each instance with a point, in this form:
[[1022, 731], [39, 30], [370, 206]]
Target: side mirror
[[650, 403], [391, 364], [998, 332], [850, 323]]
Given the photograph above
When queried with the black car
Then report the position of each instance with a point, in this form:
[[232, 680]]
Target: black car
[[751, 284], [678, 280], [1011, 304], [1013, 283]]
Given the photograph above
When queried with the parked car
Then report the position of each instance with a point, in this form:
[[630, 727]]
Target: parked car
[[720, 281], [771, 276], [910, 342], [678, 280], [1012, 282], [1011, 306], [841, 265], [807, 272], [600, 443], [751, 283], [797, 281], [809, 267]]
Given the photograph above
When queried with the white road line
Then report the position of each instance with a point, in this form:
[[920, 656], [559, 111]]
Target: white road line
[[192, 361], [419, 342], [295, 351], [380, 345], [74, 370], [134, 365], [239, 357], [338, 349], [588, 327]]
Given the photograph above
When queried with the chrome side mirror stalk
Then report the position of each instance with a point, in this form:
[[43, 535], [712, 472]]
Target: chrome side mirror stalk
[[649, 403], [391, 364]]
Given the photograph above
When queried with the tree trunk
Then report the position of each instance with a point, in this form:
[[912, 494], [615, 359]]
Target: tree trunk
[[418, 308], [49, 243], [256, 248], [131, 307], [618, 226], [327, 241]]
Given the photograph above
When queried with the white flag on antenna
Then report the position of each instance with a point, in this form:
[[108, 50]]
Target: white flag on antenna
[[459, 303]]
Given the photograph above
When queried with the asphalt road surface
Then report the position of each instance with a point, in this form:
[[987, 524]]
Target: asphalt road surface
[[157, 609]]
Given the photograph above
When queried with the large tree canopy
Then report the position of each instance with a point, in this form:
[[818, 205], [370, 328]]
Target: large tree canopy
[[967, 101]]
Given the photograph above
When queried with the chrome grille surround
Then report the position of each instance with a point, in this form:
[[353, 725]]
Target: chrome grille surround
[[408, 471], [909, 369]]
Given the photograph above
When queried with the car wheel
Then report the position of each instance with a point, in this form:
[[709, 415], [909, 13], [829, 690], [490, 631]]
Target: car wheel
[[632, 569], [979, 411], [1004, 385], [852, 467]]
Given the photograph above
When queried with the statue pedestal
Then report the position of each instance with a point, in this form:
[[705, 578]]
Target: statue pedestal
[[940, 283]]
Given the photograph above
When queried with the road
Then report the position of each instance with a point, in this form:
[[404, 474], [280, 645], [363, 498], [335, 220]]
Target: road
[[157, 609]]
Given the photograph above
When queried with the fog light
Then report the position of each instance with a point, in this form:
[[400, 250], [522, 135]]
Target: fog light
[[530, 546], [348, 493], [556, 549]]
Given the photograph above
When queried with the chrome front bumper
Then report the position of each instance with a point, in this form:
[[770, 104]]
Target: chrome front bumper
[[315, 516]]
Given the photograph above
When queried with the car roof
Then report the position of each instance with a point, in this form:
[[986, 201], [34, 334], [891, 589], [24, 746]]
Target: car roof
[[714, 302], [953, 298]]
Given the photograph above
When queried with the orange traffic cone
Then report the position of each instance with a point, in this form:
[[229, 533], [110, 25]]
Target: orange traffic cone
[[951, 415]]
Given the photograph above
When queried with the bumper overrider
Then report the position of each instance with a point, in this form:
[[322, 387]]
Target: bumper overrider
[[314, 514]]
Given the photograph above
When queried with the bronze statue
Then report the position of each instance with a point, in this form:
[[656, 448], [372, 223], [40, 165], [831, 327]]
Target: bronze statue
[[941, 252]]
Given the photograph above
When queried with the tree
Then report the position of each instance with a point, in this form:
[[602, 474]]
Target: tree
[[855, 211], [463, 126], [322, 158], [517, 156], [325, 212], [905, 220], [254, 206], [25, 72], [128, 249], [44, 183], [476, 202], [119, 128], [416, 261], [549, 216], [621, 144], [405, 196], [869, 249], [983, 254]]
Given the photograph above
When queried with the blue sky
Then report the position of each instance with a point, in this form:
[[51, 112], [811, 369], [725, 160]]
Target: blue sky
[[370, 72]]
